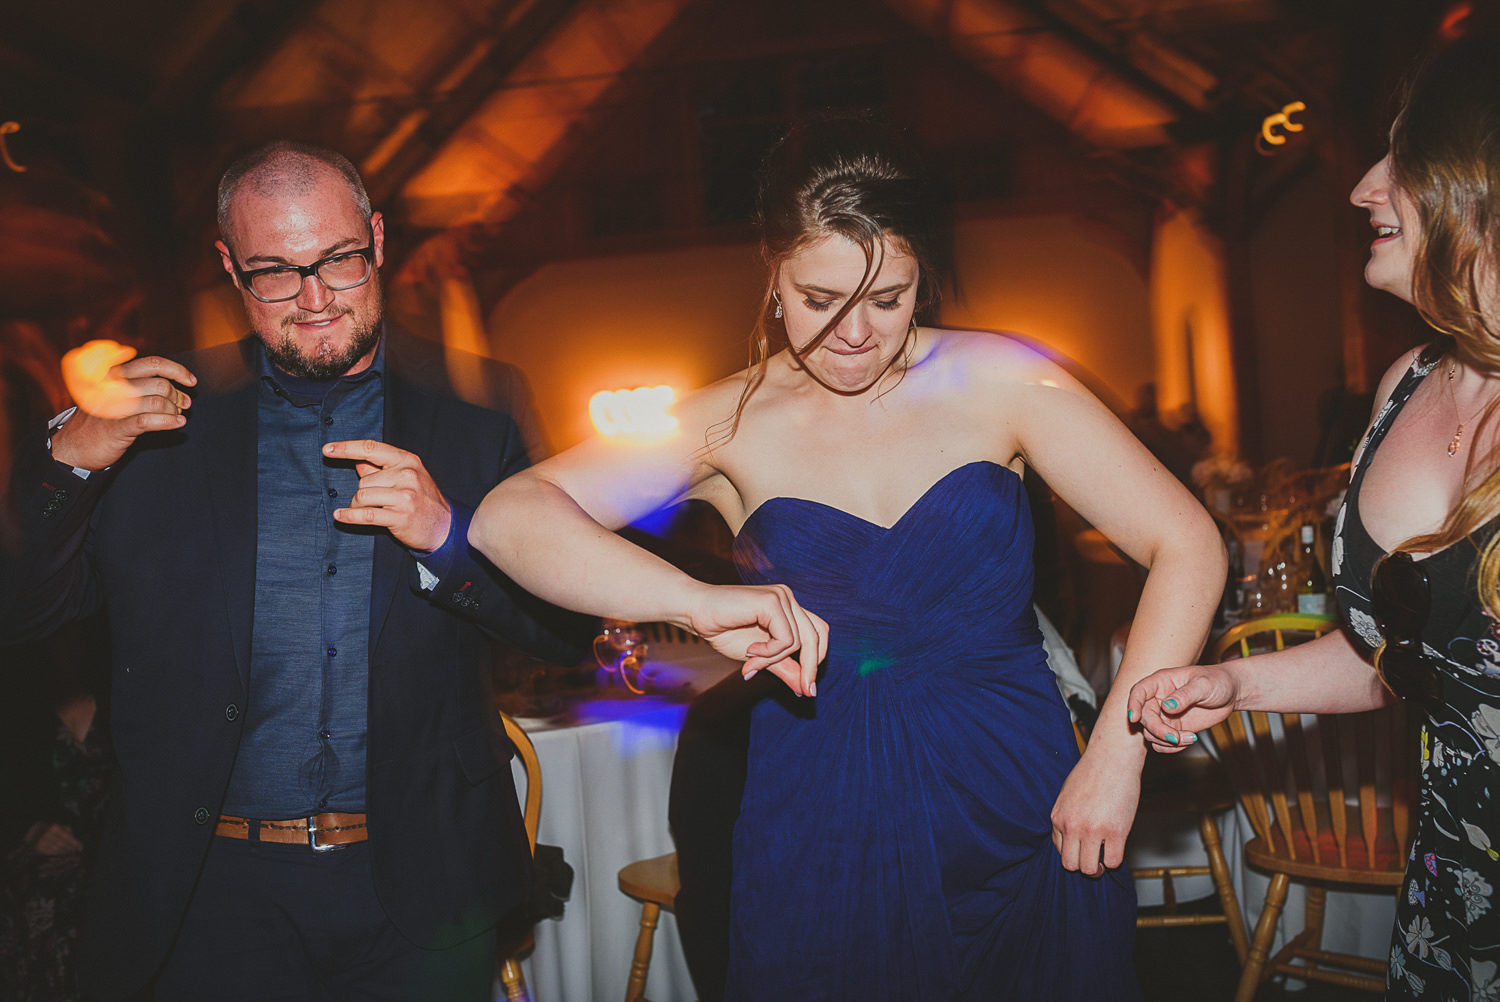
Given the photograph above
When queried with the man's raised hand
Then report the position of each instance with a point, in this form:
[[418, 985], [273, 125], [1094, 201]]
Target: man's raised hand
[[119, 398], [395, 491]]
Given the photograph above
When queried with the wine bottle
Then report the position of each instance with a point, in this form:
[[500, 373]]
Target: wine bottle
[[1312, 585]]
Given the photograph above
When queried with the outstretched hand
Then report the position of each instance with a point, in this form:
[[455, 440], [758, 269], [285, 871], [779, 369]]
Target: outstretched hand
[[119, 398], [1174, 704], [766, 628], [396, 491]]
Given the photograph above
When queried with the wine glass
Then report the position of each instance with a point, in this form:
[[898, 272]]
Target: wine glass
[[621, 650]]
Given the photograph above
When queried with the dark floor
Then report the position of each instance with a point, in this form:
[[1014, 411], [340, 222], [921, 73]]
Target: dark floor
[[1198, 964]]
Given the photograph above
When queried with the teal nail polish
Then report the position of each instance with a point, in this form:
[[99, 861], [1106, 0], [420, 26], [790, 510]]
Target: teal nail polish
[[1170, 704], [1192, 738], [1172, 738], [1130, 716]]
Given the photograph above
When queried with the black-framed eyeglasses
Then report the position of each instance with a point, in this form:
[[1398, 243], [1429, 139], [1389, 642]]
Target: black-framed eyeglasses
[[1401, 599], [337, 272]]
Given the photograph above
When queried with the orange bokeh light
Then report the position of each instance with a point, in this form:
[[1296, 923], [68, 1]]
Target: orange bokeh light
[[642, 411], [86, 371]]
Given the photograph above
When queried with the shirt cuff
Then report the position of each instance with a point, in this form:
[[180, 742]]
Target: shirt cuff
[[440, 558], [57, 423]]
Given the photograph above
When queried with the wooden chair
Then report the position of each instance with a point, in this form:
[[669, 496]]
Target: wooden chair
[[654, 883], [514, 943], [1327, 800]]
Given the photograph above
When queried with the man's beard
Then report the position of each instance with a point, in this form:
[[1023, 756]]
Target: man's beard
[[284, 351]]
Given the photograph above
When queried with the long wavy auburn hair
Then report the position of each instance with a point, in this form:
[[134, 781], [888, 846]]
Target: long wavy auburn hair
[[1445, 156]]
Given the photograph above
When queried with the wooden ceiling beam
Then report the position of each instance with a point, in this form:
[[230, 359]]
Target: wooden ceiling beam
[[423, 131], [1104, 43], [243, 39]]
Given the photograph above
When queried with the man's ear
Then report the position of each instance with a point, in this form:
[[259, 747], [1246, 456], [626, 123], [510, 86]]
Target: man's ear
[[227, 261], [377, 238]]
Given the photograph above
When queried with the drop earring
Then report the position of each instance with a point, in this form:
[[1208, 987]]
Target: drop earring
[[778, 305]]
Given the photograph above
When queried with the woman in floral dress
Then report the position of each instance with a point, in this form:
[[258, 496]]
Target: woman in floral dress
[[56, 762], [1425, 482]]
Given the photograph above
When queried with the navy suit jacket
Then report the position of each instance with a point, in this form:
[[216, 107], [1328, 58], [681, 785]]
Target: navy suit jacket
[[165, 540]]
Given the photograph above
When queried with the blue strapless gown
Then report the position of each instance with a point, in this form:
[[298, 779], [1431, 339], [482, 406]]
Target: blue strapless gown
[[894, 840]]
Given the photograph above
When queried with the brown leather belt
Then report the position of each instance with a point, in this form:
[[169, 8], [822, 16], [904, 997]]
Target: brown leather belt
[[321, 831]]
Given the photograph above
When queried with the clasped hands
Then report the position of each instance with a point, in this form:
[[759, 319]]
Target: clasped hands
[[1172, 705], [1094, 812], [51, 838]]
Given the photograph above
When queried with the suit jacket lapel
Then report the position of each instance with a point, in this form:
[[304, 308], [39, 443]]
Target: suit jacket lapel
[[410, 424], [225, 419]]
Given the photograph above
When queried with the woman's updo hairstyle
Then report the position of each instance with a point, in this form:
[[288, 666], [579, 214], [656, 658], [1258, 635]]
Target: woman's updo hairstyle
[[848, 175], [852, 176]]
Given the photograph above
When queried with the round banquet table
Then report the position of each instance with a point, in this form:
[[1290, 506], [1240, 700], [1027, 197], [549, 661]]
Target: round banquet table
[[606, 770]]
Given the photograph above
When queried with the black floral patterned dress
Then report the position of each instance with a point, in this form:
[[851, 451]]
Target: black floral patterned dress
[[1446, 944], [41, 900]]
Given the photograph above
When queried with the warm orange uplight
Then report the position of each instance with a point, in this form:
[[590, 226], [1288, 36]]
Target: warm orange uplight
[[640, 411], [85, 370]]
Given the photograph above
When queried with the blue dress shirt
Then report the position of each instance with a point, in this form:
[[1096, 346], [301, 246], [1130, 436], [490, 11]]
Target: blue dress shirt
[[303, 748]]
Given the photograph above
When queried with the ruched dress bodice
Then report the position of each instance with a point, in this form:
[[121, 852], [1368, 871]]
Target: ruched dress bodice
[[894, 840]]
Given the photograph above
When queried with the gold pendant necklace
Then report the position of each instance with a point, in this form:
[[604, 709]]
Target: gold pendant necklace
[[1458, 434], [1456, 443]]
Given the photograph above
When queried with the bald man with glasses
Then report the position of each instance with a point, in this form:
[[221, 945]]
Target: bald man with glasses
[[315, 798]]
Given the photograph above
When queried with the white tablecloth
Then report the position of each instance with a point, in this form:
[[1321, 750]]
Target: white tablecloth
[[605, 776]]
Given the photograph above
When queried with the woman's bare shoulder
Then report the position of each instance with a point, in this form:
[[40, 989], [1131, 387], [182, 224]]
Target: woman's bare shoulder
[[708, 405], [993, 356], [1407, 361]]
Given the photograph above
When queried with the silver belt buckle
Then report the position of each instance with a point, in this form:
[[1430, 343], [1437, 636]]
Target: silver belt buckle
[[312, 837]]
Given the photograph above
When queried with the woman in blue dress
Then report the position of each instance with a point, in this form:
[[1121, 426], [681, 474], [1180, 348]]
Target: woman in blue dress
[[917, 822], [1416, 558]]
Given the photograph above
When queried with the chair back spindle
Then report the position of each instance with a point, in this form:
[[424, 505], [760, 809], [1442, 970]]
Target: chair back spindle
[[1327, 798]]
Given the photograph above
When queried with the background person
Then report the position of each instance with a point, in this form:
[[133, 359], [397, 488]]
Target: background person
[[1425, 487], [56, 763]]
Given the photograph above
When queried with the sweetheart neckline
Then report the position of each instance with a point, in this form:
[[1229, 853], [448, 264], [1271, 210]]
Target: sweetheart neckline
[[901, 518]]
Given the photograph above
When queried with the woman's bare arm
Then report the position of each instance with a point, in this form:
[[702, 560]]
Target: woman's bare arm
[[551, 528]]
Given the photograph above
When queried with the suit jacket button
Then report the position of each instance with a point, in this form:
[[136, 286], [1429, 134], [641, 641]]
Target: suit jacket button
[[61, 494], [201, 815], [231, 713]]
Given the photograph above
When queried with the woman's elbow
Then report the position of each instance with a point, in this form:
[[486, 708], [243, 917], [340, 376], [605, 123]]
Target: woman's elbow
[[1194, 541], [491, 518], [1206, 542]]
